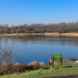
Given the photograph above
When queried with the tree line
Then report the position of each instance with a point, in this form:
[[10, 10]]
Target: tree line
[[39, 28]]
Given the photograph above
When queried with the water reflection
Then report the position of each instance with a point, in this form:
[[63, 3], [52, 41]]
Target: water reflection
[[28, 49]]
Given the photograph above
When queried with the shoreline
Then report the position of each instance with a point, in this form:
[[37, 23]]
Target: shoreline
[[53, 34]]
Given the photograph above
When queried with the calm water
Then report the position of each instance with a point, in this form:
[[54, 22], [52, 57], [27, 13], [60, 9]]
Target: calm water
[[26, 50]]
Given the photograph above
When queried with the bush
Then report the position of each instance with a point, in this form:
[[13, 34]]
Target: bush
[[57, 60]]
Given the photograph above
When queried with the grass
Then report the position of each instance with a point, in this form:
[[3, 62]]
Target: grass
[[41, 73]]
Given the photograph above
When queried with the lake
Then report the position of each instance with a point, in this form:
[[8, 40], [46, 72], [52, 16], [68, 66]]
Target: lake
[[26, 50]]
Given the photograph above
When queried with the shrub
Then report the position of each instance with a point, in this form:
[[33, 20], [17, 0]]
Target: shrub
[[57, 60]]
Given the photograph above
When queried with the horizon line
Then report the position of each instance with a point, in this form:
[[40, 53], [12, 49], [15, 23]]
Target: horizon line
[[46, 23]]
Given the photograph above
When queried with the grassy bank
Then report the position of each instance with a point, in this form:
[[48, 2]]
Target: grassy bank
[[42, 73], [51, 34]]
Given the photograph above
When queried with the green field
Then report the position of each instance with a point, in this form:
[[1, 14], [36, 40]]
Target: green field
[[45, 73]]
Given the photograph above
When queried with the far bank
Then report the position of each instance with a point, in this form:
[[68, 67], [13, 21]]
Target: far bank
[[50, 34]]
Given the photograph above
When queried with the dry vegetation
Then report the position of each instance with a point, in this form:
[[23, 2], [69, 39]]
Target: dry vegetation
[[40, 28]]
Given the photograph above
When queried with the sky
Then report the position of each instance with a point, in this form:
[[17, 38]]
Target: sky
[[38, 11]]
